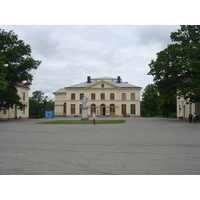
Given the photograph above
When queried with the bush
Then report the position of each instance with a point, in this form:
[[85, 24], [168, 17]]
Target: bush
[[173, 115]]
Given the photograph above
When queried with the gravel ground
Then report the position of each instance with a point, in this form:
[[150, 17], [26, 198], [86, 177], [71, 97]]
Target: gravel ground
[[141, 146]]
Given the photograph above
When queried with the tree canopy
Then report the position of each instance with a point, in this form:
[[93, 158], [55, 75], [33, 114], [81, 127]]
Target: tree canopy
[[177, 68], [15, 66], [150, 101], [38, 104]]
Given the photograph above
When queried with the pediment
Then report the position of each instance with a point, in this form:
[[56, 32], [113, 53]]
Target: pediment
[[102, 85]]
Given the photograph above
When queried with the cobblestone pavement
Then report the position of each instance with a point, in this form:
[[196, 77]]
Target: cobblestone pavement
[[141, 146]]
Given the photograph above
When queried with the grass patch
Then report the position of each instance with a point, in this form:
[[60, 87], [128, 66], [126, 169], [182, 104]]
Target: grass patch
[[83, 122]]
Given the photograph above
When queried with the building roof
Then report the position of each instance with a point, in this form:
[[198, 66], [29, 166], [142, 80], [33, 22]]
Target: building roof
[[113, 81], [22, 85], [61, 90], [104, 78]]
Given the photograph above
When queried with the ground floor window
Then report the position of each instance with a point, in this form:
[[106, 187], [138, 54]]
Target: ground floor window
[[132, 109], [73, 106], [4, 111], [80, 108], [123, 109]]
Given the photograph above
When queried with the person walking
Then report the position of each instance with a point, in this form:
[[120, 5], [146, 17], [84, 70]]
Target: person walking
[[190, 117], [195, 117], [94, 118]]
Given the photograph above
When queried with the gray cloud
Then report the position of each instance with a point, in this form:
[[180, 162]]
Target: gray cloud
[[70, 53]]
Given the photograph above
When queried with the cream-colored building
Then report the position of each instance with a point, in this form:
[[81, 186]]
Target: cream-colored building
[[23, 92], [106, 97], [184, 108]]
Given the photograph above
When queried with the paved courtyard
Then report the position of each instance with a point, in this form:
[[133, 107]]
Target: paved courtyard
[[141, 146]]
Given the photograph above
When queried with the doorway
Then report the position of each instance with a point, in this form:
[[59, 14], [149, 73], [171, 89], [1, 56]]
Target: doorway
[[64, 109], [102, 110], [112, 109], [15, 112], [93, 109]]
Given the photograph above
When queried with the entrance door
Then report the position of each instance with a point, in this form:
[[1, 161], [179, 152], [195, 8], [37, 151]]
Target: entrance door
[[15, 113], [64, 109], [93, 109], [102, 110], [112, 109]]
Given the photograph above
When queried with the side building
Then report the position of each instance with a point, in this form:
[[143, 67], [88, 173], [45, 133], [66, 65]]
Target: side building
[[184, 108], [23, 92], [106, 97]]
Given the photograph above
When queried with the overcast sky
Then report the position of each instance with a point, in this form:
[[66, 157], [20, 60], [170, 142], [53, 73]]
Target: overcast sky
[[70, 53]]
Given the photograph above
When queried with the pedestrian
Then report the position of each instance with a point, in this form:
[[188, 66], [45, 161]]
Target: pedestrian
[[94, 118], [195, 117], [190, 117]]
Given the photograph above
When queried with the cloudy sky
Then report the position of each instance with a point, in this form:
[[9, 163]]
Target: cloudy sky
[[70, 53]]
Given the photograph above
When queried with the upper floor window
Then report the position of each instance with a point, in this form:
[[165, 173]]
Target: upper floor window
[[123, 96], [132, 96], [73, 96], [102, 96], [112, 96], [24, 96], [93, 96], [81, 96]]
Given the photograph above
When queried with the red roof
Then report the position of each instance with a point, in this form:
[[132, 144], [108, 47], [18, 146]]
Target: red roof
[[22, 85]]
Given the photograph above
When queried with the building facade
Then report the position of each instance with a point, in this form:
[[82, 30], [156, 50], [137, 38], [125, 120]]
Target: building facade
[[23, 92], [106, 97], [184, 108]]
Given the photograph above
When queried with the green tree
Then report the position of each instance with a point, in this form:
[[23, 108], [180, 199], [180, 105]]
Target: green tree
[[176, 70], [150, 101], [3, 82], [15, 66], [48, 105], [38, 104], [36, 108]]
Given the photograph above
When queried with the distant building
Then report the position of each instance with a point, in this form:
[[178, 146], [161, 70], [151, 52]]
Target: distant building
[[23, 92], [106, 97], [184, 108]]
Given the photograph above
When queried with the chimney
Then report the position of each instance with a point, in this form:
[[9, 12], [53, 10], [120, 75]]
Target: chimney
[[88, 79], [118, 79]]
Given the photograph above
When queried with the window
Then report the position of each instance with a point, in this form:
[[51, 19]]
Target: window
[[73, 96], [123, 96], [123, 109], [81, 96], [24, 111], [93, 96], [73, 106], [24, 96], [102, 96], [132, 96], [133, 109], [80, 108], [4, 111], [112, 96]]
